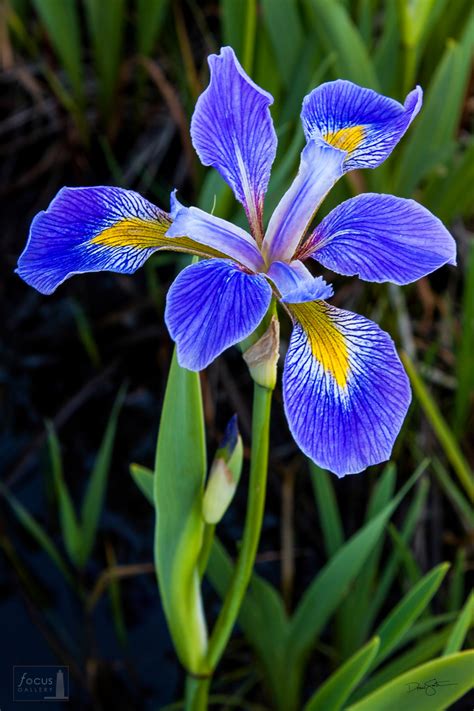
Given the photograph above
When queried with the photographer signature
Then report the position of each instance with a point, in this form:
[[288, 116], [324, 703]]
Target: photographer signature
[[430, 687]]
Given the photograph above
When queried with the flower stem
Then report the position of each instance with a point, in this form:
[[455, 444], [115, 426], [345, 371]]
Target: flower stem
[[197, 689], [253, 526]]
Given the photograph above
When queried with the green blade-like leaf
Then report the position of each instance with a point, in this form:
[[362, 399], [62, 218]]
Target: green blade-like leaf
[[70, 527], [150, 17], [106, 23], [405, 555], [143, 478], [462, 626], [426, 649], [337, 31], [328, 511], [180, 470], [95, 492], [283, 23], [328, 588], [453, 492], [393, 564], [239, 24], [452, 195], [464, 369], [408, 610], [61, 19], [261, 616], [351, 619], [333, 694], [456, 672], [441, 428], [457, 584], [37, 532], [433, 133]]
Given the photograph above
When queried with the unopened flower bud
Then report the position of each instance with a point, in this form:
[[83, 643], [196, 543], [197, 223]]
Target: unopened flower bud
[[262, 357], [224, 475]]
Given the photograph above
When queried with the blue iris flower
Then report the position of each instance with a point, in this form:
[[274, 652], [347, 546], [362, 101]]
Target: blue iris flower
[[345, 391]]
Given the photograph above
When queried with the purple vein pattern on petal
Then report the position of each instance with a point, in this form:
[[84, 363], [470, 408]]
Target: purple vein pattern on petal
[[296, 284], [320, 167], [211, 306], [232, 130], [382, 238], [216, 233], [365, 124], [345, 390], [90, 230]]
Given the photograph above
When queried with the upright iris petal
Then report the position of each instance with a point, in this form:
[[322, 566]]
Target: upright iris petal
[[232, 130], [211, 306], [382, 238], [346, 393], [94, 229], [320, 166], [364, 124]]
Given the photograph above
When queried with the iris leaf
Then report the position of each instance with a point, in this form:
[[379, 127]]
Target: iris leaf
[[180, 469], [455, 669], [95, 493], [70, 525], [463, 624], [337, 31], [408, 610], [61, 19], [328, 510], [37, 532], [333, 694]]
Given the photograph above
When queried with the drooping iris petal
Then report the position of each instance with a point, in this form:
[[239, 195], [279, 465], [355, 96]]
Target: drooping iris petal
[[211, 306], [296, 284], [345, 390], [361, 122], [94, 229], [232, 130], [215, 233], [320, 166], [381, 238]]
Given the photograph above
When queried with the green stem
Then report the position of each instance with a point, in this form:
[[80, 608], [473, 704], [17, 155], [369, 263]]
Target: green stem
[[249, 35], [253, 526], [207, 540], [197, 689], [197, 692]]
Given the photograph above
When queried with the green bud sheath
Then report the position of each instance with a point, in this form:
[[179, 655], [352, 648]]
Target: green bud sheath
[[224, 475]]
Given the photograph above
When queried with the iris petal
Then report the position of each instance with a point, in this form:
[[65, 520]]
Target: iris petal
[[345, 390], [211, 306], [320, 167], [232, 130], [95, 229], [361, 122], [215, 233], [382, 238], [296, 284]]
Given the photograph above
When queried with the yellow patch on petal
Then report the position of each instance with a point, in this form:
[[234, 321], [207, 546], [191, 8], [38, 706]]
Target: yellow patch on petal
[[327, 343], [145, 234], [346, 139]]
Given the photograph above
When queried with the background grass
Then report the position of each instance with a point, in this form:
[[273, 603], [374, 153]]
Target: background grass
[[101, 92]]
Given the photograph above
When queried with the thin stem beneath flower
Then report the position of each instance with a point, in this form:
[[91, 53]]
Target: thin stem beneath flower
[[197, 689], [253, 525]]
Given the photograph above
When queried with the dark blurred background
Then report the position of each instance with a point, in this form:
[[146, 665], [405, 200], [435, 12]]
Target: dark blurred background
[[101, 92]]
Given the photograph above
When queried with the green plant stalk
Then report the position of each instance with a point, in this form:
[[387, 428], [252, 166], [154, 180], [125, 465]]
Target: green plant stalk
[[197, 689], [443, 433], [249, 37]]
